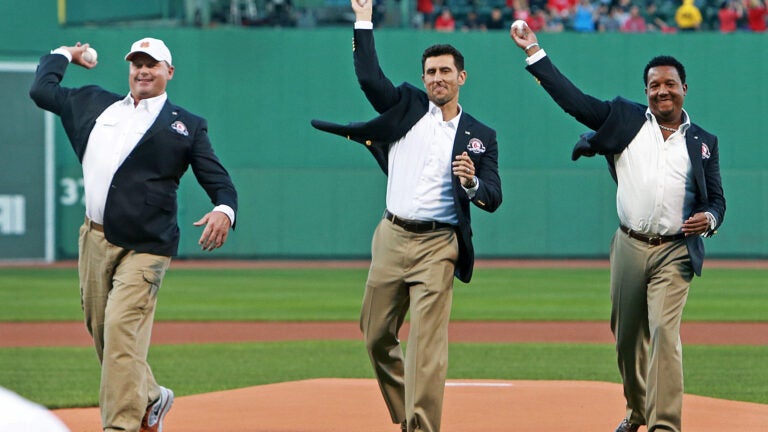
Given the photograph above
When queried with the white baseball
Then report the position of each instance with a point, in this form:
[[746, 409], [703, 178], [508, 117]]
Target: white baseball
[[90, 55], [519, 27]]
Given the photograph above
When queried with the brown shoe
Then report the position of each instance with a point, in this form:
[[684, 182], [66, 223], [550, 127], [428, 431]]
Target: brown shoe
[[153, 419], [626, 426]]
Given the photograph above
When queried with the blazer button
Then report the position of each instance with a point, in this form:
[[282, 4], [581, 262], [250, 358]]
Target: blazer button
[[368, 142]]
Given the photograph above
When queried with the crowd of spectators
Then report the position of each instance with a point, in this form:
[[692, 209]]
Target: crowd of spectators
[[585, 16]]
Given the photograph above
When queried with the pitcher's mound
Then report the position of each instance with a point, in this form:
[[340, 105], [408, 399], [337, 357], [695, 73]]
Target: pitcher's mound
[[330, 405]]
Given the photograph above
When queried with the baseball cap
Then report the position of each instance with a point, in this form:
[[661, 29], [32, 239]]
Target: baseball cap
[[154, 47]]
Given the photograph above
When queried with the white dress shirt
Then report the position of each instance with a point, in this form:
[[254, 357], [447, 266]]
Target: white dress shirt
[[114, 136], [655, 183], [419, 184]]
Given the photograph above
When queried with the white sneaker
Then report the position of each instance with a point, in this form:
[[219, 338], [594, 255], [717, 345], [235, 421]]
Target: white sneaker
[[153, 419]]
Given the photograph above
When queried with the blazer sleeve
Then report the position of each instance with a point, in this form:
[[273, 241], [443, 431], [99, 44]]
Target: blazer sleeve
[[77, 107], [715, 199], [586, 109], [46, 90], [488, 195], [379, 90], [209, 171]]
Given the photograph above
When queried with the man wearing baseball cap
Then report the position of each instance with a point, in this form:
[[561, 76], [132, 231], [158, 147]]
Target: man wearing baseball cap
[[134, 150], [155, 48]]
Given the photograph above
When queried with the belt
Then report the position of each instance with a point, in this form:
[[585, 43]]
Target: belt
[[93, 225], [652, 240], [415, 226]]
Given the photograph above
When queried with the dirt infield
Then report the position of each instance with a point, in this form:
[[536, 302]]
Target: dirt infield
[[329, 405]]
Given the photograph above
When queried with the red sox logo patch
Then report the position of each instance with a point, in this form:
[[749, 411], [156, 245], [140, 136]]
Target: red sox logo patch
[[180, 128], [476, 146], [704, 151]]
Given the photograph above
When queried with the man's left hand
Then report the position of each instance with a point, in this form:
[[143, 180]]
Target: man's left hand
[[217, 226], [696, 225], [464, 168]]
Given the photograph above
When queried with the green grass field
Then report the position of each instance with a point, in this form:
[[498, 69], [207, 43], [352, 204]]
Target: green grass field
[[65, 377]]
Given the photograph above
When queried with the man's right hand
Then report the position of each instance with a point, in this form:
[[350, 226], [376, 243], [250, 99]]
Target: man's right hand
[[526, 39], [77, 55], [363, 9]]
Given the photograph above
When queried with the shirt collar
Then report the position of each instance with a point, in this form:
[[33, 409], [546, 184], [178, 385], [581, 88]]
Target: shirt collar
[[683, 126], [437, 113], [152, 105]]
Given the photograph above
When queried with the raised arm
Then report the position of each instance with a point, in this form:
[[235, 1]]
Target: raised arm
[[586, 109], [379, 90], [46, 90]]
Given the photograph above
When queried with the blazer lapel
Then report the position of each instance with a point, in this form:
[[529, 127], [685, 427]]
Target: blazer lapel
[[697, 151], [165, 120], [463, 134]]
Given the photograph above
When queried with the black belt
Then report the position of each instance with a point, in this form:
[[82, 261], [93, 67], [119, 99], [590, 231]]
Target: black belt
[[652, 240], [415, 226]]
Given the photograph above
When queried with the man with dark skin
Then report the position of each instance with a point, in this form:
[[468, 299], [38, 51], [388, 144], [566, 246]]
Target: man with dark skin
[[669, 196]]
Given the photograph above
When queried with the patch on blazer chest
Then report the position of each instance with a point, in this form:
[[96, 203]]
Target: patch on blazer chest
[[180, 128], [476, 146]]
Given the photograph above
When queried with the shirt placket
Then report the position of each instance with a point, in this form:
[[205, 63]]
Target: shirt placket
[[419, 197], [662, 156]]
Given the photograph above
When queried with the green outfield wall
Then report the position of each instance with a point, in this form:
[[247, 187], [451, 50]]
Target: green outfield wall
[[305, 194]]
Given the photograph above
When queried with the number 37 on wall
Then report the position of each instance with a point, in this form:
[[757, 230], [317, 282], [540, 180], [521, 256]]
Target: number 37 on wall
[[72, 191]]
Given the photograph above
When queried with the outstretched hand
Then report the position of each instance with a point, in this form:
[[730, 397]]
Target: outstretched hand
[[216, 230], [363, 9]]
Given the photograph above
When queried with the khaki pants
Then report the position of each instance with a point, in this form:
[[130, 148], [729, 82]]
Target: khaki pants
[[410, 271], [118, 292], [649, 288]]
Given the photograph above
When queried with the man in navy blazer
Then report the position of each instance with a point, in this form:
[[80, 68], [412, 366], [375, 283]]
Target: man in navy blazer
[[438, 160], [134, 150], [669, 196]]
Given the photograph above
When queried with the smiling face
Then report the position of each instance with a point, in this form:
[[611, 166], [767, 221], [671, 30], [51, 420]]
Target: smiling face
[[666, 93], [148, 77], [442, 79]]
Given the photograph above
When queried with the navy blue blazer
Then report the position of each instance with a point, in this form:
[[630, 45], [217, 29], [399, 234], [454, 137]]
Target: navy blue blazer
[[615, 123], [141, 207], [400, 108]]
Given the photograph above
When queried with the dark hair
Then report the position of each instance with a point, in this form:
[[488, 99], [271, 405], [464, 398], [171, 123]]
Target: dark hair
[[664, 61], [442, 49]]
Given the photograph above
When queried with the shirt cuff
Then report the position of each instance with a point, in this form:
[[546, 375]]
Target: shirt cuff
[[63, 51], [712, 220], [363, 25], [227, 210], [538, 55], [472, 191]]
